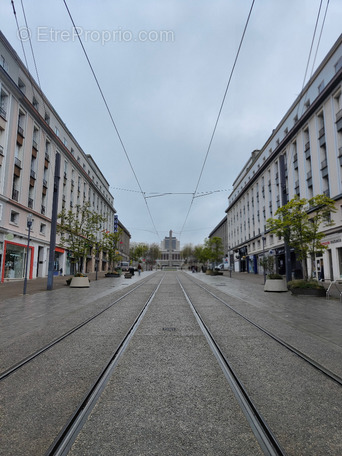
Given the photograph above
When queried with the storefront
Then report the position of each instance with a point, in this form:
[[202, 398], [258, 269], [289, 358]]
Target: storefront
[[14, 261], [329, 267], [58, 262], [252, 261]]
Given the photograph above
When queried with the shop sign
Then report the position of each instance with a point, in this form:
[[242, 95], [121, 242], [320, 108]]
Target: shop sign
[[9, 237], [333, 241]]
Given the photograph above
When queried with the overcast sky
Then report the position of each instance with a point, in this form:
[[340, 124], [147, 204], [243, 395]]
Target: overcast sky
[[163, 67]]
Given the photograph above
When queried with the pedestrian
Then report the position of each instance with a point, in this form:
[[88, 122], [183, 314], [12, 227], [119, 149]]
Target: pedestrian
[[139, 268]]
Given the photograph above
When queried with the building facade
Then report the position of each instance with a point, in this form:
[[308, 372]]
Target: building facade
[[31, 134], [309, 137], [170, 252]]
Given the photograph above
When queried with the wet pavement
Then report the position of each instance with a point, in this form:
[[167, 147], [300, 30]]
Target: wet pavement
[[29, 321]]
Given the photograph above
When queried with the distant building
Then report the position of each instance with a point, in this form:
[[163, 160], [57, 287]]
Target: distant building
[[170, 252], [221, 231], [31, 134]]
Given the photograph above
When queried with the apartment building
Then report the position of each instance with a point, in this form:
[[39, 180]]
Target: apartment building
[[31, 134], [309, 137]]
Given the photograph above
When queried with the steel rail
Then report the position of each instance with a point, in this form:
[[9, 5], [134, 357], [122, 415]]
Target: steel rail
[[324, 370], [35, 354], [267, 441], [68, 435]]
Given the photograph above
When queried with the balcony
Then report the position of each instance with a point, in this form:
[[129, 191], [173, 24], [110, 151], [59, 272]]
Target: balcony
[[15, 195]]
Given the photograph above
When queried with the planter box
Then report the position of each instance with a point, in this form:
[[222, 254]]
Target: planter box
[[128, 275], [320, 292], [79, 282], [275, 285]]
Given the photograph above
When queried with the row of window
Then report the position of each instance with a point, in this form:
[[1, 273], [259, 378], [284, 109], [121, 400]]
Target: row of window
[[247, 218]]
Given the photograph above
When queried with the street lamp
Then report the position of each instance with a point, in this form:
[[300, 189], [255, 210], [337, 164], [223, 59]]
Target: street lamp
[[29, 224], [263, 256]]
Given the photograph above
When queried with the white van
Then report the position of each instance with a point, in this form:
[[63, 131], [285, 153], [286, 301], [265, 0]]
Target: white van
[[124, 265]]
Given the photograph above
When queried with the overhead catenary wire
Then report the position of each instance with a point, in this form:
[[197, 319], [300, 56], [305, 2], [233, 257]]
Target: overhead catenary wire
[[218, 116], [111, 116], [303, 96]]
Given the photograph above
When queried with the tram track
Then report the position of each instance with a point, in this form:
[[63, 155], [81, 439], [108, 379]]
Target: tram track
[[14, 368], [299, 392], [67, 436], [318, 366], [182, 322], [41, 395], [267, 441]]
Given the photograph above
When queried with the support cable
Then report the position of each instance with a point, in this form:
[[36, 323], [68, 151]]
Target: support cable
[[110, 115], [219, 115]]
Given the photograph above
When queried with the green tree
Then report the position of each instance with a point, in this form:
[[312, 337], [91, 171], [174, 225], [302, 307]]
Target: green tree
[[78, 233], [110, 245], [139, 251], [187, 253], [152, 254], [300, 222], [214, 249], [200, 254]]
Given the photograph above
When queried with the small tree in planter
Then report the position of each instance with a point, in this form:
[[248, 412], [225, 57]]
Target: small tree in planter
[[299, 222], [274, 282], [267, 263]]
